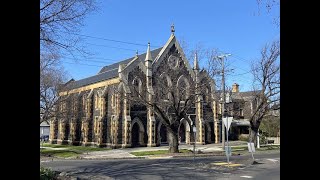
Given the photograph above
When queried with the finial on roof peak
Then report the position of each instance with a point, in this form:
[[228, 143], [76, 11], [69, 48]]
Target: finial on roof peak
[[148, 55], [195, 62], [172, 29]]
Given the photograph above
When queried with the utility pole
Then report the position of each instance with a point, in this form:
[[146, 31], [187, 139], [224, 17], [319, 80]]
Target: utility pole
[[224, 95]]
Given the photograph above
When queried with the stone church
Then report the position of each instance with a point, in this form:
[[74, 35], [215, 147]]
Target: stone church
[[93, 112]]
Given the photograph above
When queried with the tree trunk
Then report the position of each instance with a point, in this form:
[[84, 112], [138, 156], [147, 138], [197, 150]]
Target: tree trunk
[[253, 137], [173, 142]]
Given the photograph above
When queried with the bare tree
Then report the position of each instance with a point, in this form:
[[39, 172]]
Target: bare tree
[[206, 55], [270, 5], [51, 77], [267, 84], [172, 101], [214, 66], [59, 21]]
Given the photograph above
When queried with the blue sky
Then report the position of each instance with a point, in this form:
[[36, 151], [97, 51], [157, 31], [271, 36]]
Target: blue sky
[[232, 26]]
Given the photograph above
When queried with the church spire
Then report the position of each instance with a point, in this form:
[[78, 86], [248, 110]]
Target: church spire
[[195, 62], [148, 55]]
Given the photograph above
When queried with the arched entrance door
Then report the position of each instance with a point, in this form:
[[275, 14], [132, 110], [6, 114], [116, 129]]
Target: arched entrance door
[[135, 135], [182, 133]]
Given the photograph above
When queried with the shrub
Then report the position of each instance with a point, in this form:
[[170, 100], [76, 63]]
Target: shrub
[[244, 137], [46, 174], [263, 138]]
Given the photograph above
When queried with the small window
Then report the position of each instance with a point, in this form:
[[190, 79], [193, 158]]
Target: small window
[[241, 112]]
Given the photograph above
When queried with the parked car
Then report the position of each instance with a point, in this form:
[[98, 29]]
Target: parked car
[[44, 138]]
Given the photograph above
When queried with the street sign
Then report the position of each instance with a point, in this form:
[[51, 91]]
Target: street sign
[[194, 129], [251, 147], [227, 150], [227, 122]]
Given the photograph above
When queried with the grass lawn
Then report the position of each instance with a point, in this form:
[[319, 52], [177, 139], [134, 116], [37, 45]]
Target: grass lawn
[[268, 147], [59, 153], [262, 148], [70, 151], [159, 152]]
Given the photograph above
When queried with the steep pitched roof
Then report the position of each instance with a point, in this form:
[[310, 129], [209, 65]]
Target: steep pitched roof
[[239, 96], [107, 72], [249, 93]]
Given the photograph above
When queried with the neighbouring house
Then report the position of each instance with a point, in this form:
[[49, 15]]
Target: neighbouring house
[[44, 128], [240, 106], [95, 114]]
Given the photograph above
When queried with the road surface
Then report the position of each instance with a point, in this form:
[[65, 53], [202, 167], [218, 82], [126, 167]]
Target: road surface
[[172, 168]]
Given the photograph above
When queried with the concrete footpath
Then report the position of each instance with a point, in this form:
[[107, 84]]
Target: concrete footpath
[[201, 150], [125, 152]]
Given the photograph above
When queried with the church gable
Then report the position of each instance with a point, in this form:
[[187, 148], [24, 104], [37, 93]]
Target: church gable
[[173, 56]]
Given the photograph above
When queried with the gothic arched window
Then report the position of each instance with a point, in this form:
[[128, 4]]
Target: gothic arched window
[[137, 86], [165, 86], [183, 88]]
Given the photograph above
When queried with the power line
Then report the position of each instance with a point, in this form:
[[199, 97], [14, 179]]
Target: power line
[[240, 74], [112, 60], [240, 68], [83, 64], [244, 60], [112, 47], [106, 39], [242, 80], [238, 57]]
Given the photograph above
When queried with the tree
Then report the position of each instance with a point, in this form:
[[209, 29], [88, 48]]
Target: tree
[[173, 98], [59, 21], [270, 126], [206, 55], [270, 5], [266, 74], [51, 77]]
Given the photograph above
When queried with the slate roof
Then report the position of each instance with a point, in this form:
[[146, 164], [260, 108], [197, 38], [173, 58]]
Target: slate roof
[[44, 124], [107, 72], [249, 93], [239, 96]]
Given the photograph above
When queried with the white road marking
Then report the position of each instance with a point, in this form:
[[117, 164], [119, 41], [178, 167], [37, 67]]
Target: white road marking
[[273, 160], [246, 176], [156, 165], [165, 157]]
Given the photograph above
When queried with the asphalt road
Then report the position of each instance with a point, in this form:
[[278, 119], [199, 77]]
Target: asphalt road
[[174, 168]]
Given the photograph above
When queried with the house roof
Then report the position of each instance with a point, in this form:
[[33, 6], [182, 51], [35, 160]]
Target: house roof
[[44, 124], [107, 72], [238, 96], [242, 122], [249, 93]]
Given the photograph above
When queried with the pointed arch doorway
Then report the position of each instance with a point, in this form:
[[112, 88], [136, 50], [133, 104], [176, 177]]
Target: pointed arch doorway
[[137, 130]]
